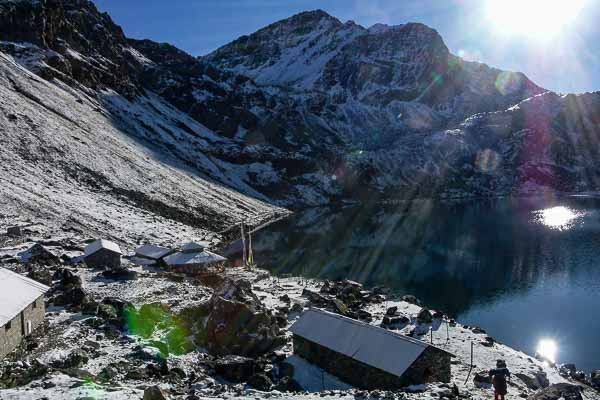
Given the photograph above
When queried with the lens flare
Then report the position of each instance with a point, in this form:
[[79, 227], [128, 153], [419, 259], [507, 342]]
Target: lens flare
[[533, 18]]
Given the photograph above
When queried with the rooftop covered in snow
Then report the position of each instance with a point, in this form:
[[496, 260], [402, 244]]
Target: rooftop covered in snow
[[101, 244], [16, 293]]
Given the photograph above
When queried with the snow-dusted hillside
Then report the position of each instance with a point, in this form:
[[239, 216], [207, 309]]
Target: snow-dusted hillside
[[88, 163]]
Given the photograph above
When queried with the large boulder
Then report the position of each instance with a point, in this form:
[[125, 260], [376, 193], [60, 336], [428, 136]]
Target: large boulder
[[424, 316], [539, 380], [74, 296], [234, 321], [558, 391]]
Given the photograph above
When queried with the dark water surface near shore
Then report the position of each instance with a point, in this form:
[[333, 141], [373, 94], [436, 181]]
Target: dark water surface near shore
[[524, 269]]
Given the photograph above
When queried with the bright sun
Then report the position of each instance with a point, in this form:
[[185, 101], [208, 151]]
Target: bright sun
[[547, 349], [533, 18]]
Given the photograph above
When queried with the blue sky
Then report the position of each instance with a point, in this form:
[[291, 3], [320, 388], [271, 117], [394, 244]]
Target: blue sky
[[564, 59]]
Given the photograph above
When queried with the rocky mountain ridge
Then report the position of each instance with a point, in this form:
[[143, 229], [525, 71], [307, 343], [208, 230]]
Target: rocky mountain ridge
[[311, 110]]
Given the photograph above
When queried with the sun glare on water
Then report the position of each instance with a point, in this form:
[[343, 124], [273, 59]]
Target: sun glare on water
[[533, 18], [560, 217]]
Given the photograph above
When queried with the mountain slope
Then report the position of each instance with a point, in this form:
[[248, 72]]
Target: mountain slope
[[65, 157]]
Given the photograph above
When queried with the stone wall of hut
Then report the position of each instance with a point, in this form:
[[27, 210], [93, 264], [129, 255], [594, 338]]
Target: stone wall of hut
[[12, 333]]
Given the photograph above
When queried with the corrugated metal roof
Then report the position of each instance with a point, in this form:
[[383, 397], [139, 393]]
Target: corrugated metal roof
[[152, 252], [204, 257], [377, 347], [194, 247], [99, 245], [16, 293]]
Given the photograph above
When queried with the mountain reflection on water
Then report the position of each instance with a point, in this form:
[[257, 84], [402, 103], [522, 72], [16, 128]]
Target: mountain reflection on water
[[524, 269]]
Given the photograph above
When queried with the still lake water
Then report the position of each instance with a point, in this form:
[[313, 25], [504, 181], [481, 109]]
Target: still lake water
[[523, 269]]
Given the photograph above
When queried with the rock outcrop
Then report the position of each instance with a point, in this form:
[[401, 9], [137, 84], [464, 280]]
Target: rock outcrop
[[234, 322]]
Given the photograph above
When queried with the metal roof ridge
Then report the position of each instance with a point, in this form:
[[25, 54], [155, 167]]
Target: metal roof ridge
[[378, 329]]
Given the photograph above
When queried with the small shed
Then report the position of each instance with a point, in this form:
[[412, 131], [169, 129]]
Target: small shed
[[149, 254], [192, 259], [366, 356], [102, 253], [22, 309]]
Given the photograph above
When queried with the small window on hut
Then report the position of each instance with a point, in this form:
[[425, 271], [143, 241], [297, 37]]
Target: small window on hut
[[8, 325], [34, 304]]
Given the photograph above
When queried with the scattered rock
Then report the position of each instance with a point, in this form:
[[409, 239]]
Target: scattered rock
[[567, 370], [154, 393], [539, 380], [40, 275], [411, 299], [558, 391], [14, 231], [21, 373], [75, 359], [236, 368], [390, 312], [478, 330], [287, 384], [260, 382], [482, 379], [424, 316], [107, 374], [595, 379], [120, 274]]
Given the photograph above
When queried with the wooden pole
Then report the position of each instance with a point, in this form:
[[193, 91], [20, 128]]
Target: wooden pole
[[250, 253], [244, 262], [471, 368]]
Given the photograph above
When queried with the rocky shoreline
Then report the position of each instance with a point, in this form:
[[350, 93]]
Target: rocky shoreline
[[224, 334]]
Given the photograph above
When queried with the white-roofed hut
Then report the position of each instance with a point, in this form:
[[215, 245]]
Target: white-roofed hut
[[366, 356], [193, 259], [102, 254], [22, 309]]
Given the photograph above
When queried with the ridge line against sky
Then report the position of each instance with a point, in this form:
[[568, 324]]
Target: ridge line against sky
[[567, 62]]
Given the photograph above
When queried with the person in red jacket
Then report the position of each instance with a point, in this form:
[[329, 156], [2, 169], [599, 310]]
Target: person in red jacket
[[499, 376]]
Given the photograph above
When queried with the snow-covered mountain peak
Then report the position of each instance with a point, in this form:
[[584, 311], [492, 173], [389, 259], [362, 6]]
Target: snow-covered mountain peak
[[277, 113]]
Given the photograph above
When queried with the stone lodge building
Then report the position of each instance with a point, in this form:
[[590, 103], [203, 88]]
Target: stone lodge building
[[22, 309]]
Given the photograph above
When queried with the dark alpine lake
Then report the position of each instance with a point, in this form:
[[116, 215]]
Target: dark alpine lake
[[527, 270]]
